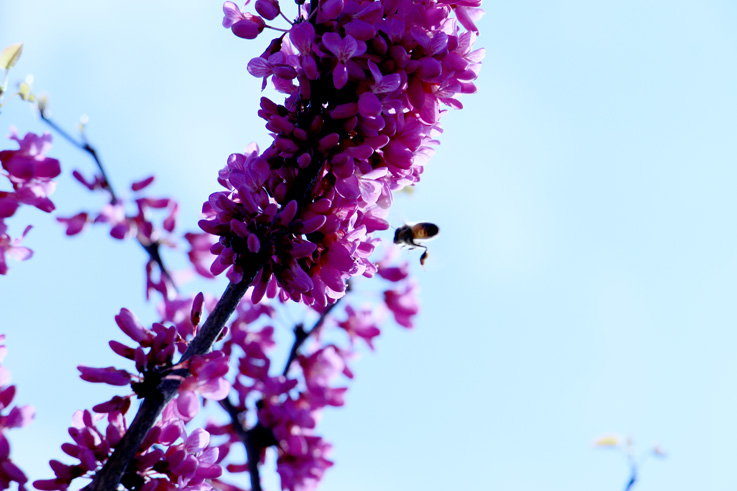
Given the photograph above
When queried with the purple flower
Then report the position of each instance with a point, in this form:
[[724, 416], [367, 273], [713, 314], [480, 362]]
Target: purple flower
[[15, 417], [404, 304], [12, 248], [30, 171], [361, 324], [243, 25], [344, 49], [403, 64], [207, 376]]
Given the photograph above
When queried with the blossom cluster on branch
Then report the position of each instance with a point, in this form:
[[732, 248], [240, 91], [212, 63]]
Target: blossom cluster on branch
[[281, 408], [10, 417], [365, 83], [170, 457], [31, 174]]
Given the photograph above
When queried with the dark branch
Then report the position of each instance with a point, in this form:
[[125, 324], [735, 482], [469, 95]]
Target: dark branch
[[300, 335], [153, 252], [245, 437], [254, 440], [110, 475]]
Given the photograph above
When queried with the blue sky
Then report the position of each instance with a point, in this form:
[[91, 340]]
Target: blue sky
[[583, 283]]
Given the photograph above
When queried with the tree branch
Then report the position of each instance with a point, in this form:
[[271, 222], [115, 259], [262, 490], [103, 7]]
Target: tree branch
[[151, 249], [254, 440], [108, 478]]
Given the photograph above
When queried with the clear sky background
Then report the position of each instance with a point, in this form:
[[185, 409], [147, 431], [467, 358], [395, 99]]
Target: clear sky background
[[583, 283]]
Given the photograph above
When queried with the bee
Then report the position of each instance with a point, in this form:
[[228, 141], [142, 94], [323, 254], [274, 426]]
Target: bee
[[410, 234]]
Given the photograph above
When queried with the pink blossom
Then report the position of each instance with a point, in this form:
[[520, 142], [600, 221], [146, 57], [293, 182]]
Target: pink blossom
[[232, 14], [30, 171], [320, 371], [12, 248], [160, 463], [361, 324], [382, 133], [268, 9], [199, 254], [140, 224], [15, 417], [74, 224], [243, 25], [207, 376], [108, 375], [404, 303]]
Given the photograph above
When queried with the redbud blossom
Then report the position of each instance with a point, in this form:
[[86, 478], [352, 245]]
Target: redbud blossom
[[394, 66], [10, 417], [30, 171], [12, 248]]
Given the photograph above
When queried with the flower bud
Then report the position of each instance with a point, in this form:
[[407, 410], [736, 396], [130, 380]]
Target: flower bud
[[268, 9], [248, 28]]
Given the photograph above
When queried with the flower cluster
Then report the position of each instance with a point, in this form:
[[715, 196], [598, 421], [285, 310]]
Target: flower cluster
[[153, 360], [10, 417], [281, 407], [285, 409], [364, 81], [31, 176], [161, 463]]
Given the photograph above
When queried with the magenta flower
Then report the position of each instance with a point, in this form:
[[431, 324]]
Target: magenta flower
[[12, 248], [232, 14], [207, 376], [139, 224], [243, 25], [108, 375], [199, 253], [404, 303], [344, 49], [320, 370], [10, 417], [160, 463], [401, 66], [268, 9], [361, 324], [75, 224], [30, 171], [8, 204]]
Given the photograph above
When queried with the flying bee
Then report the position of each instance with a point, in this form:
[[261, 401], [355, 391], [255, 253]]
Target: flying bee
[[410, 234]]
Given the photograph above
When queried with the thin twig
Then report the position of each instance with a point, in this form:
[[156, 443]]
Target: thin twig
[[254, 440], [300, 335], [633, 473], [85, 147], [152, 249], [153, 252], [245, 437]]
